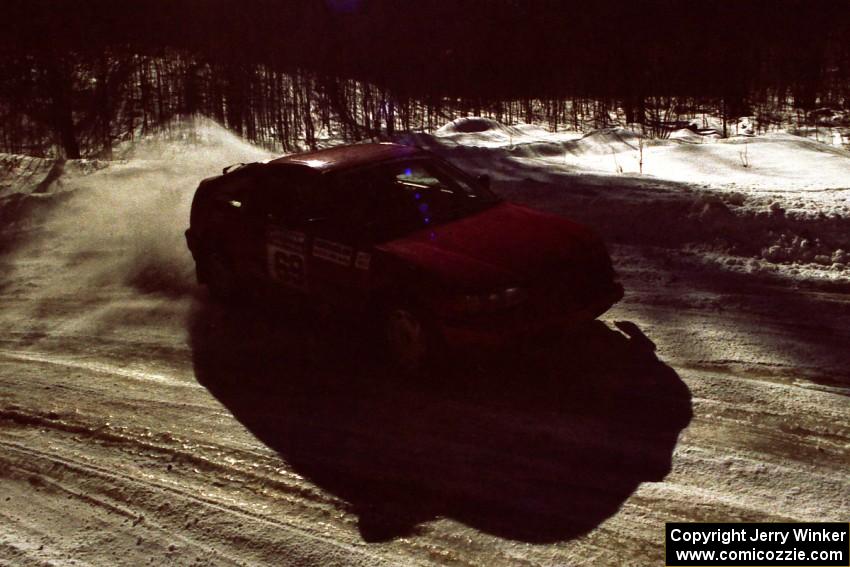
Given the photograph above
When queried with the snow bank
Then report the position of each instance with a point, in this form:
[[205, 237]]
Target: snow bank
[[32, 175], [771, 162], [475, 131], [694, 137], [776, 204], [474, 124]]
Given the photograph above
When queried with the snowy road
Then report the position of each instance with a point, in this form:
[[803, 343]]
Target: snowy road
[[141, 424]]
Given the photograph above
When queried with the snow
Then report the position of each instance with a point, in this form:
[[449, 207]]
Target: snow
[[777, 163], [138, 419], [489, 133], [775, 203], [117, 226], [785, 215]]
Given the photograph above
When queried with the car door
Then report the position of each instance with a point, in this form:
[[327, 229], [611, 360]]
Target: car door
[[341, 244], [235, 225], [283, 242]]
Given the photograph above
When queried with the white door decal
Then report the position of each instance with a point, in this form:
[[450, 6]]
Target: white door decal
[[286, 253], [332, 252]]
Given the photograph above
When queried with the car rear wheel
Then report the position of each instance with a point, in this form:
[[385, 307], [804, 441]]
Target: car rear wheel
[[221, 281]]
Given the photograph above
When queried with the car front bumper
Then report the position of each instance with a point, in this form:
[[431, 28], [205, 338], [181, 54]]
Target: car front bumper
[[524, 325]]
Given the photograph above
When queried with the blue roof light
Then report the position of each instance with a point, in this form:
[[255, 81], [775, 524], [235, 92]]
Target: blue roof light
[[344, 6]]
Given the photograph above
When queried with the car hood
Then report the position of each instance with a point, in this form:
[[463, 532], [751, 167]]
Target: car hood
[[503, 245]]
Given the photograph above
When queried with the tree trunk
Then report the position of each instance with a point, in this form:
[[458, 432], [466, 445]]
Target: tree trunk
[[61, 112]]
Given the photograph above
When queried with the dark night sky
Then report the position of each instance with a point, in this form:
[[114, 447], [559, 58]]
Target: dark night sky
[[535, 45]]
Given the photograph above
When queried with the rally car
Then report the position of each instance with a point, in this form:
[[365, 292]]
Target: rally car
[[427, 253]]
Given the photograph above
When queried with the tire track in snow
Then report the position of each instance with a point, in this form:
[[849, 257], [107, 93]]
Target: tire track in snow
[[99, 368], [157, 489]]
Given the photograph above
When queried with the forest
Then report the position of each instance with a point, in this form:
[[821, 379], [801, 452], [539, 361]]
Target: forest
[[80, 78]]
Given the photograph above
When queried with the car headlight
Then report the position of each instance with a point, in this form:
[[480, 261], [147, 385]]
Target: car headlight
[[511, 296], [496, 300]]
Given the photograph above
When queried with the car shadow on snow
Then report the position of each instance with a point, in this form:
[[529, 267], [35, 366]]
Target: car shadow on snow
[[538, 447]]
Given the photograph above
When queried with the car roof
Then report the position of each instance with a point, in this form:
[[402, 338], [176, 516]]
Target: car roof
[[342, 157]]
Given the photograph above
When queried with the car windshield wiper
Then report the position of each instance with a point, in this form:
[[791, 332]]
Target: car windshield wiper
[[464, 210], [479, 202]]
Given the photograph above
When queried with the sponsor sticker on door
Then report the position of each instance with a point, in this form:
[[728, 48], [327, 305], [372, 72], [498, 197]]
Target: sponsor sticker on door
[[332, 251], [286, 252]]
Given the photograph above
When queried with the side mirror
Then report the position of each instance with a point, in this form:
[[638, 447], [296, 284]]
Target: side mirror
[[232, 167], [484, 180], [316, 221]]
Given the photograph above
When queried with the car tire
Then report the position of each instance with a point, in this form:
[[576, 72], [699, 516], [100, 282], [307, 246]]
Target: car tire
[[220, 278], [409, 337]]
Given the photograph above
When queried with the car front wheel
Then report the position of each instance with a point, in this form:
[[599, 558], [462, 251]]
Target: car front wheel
[[408, 338]]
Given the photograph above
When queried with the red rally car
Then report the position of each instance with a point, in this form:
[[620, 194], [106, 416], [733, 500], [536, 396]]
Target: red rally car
[[392, 231]]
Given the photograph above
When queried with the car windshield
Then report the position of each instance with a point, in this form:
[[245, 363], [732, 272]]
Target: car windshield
[[395, 198], [426, 192]]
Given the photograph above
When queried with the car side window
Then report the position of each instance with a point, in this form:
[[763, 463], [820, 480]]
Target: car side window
[[389, 199], [424, 192], [282, 196], [352, 199], [426, 176]]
